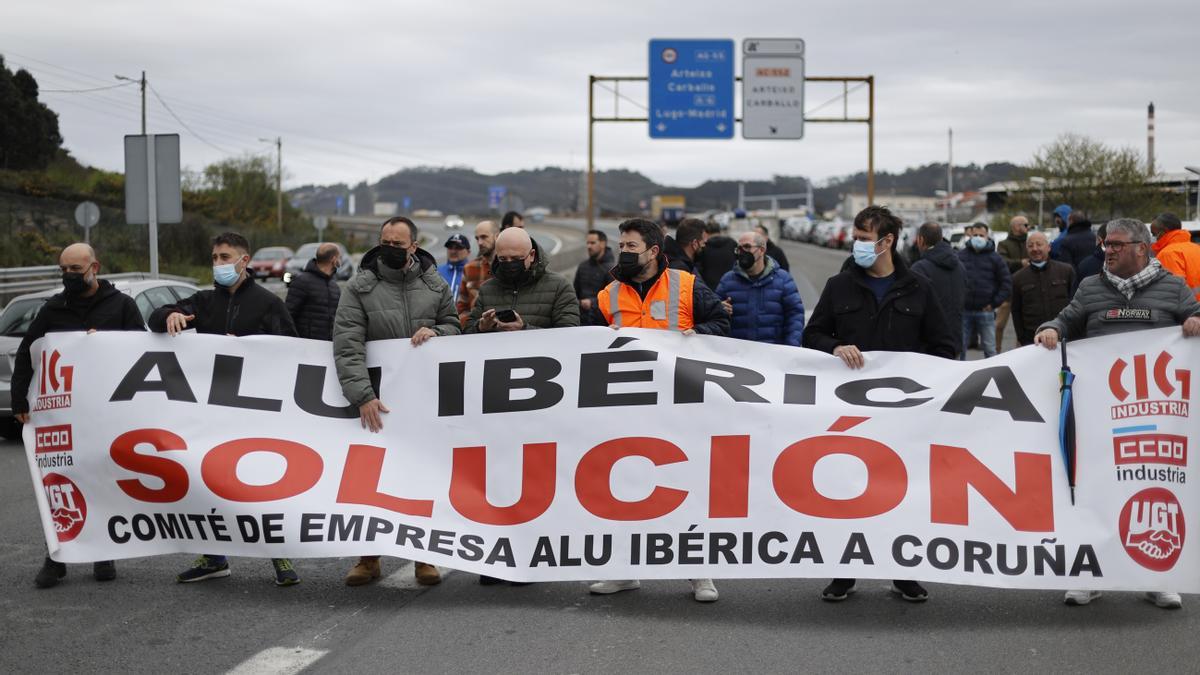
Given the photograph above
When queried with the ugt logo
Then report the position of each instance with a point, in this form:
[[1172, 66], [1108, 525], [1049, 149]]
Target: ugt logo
[[55, 383], [1152, 529], [68, 510], [1176, 385]]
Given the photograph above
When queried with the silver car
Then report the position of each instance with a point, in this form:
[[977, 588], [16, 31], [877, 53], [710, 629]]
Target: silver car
[[149, 294]]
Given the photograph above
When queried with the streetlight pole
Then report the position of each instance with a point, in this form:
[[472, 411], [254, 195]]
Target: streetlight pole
[[141, 82], [278, 141], [1041, 183]]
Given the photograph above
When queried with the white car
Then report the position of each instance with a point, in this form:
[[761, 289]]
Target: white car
[[149, 294], [454, 222]]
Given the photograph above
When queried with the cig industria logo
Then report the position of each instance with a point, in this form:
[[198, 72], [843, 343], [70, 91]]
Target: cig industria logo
[[54, 386], [1131, 383]]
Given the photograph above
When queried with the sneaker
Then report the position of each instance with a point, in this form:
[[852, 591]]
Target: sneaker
[[485, 580], [366, 570], [1079, 598], [427, 575], [1165, 599], [910, 590], [703, 590], [285, 574], [50, 573], [838, 590], [610, 587], [105, 570], [204, 568]]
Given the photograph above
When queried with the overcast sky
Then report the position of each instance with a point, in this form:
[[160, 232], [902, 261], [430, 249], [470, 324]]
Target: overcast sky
[[358, 89]]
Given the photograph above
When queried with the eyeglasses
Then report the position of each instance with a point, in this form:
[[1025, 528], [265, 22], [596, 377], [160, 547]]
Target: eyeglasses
[[749, 248], [1118, 246]]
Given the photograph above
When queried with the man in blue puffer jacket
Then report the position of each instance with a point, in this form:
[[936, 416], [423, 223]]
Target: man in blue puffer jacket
[[761, 296], [988, 286]]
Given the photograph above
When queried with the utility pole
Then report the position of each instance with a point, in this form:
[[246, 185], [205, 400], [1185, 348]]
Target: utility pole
[[141, 82], [950, 165], [278, 141]]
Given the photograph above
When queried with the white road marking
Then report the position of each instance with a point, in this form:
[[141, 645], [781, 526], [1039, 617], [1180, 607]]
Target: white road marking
[[279, 661]]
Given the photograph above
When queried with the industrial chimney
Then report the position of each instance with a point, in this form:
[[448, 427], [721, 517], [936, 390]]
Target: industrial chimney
[[1150, 140]]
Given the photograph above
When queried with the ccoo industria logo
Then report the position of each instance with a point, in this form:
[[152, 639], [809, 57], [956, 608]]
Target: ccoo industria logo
[[1152, 529], [1130, 384], [54, 387]]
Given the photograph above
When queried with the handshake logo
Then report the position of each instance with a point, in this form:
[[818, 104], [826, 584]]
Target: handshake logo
[[1152, 529]]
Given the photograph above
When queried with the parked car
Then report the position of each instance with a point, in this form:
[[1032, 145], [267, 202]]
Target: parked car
[[270, 261], [149, 294], [308, 252], [454, 222]]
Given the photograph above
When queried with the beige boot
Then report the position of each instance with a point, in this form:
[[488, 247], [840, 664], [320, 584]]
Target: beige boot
[[428, 575], [365, 571]]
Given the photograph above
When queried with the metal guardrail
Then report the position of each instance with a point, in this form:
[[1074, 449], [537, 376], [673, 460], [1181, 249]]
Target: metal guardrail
[[21, 280]]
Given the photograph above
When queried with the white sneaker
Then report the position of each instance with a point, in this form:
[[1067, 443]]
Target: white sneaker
[[703, 590], [1165, 599], [610, 587], [1076, 598]]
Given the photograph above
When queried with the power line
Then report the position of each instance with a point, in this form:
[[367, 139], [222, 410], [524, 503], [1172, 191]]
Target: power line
[[83, 91], [185, 126]]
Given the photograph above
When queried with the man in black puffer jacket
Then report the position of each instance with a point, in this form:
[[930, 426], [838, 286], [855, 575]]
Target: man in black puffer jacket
[[1079, 244], [988, 286], [236, 306], [86, 303], [946, 274], [312, 296], [718, 256]]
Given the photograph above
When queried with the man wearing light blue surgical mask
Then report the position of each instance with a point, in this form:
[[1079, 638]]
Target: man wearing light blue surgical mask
[[988, 286], [877, 304], [236, 306]]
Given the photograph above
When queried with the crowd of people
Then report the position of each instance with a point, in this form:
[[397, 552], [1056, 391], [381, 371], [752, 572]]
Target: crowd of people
[[1120, 278]]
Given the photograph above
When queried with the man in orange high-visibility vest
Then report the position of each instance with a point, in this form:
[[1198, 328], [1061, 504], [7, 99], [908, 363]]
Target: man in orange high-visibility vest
[[646, 294]]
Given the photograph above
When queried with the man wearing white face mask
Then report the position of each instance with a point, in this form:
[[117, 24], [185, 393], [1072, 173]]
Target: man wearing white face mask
[[877, 304], [988, 286], [236, 306]]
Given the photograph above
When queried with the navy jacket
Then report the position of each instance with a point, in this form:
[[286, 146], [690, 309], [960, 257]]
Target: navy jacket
[[948, 277], [988, 280], [766, 309], [1078, 245]]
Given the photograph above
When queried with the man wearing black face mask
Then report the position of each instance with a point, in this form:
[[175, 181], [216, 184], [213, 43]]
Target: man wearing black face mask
[[521, 284], [397, 293], [646, 294], [86, 303]]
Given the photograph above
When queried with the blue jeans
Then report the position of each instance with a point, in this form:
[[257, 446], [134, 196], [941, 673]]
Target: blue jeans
[[983, 323]]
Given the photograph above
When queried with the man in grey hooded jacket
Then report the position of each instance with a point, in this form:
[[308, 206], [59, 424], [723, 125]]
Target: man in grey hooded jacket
[[397, 293]]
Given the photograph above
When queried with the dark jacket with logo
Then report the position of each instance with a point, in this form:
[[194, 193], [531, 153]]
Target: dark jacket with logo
[[312, 300], [590, 277], [1039, 295], [1098, 308], [250, 310], [947, 276], [908, 320], [108, 309], [544, 300], [988, 281], [718, 257]]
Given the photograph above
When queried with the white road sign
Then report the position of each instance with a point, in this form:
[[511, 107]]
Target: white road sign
[[772, 88]]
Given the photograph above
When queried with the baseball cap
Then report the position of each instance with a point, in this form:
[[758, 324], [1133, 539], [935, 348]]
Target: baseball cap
[[458, 240]]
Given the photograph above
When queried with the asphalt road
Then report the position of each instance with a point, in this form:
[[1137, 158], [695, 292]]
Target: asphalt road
[[144, 622]]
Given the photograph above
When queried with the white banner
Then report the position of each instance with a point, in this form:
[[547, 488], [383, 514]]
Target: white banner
[[593, 454]]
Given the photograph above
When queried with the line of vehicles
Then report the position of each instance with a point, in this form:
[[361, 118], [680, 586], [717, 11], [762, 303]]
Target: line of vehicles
[[281, 262]]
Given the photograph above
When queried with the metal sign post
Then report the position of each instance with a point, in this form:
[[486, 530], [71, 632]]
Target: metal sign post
[[153, 193], [87, 214], [321, 222]]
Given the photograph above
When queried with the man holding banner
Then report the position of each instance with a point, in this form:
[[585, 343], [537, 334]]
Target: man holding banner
[[236, 306], [877, 304], [86, 303], [397, 293], [647, 294], [1133, 292]]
